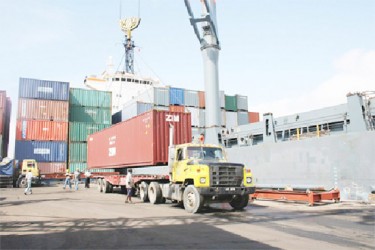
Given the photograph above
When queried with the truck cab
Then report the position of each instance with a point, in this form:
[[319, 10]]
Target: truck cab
[[200, 174], [25, 166]]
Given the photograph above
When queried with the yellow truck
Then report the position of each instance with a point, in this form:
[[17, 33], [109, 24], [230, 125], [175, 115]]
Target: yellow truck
[[196, 175], [25, 166]]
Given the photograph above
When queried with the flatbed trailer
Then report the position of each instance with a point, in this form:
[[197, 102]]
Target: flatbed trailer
[[309, 196]]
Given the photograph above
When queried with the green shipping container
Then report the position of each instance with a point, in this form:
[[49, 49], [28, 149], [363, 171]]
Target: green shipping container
[[77, 152], [90, 115], [82, 166], [230, 103], [90, 98], [78, 131]]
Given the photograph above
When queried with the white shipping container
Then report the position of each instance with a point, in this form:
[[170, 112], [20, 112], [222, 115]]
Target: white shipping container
[[159, 96], [242, 117], [242, 102], [231, 119], [191, 98]]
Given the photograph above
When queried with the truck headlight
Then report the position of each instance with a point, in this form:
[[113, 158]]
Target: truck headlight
[[249, 179], [203, 180]]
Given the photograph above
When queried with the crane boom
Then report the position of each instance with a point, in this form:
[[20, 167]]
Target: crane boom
[[210, 47]]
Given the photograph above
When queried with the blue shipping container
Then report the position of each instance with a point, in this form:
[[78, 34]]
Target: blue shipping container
[[42, 151], [176, 96], [41, 89]]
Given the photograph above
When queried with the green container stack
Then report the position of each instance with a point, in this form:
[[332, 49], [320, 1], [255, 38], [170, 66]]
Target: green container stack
[[231, 103], [89, 112]]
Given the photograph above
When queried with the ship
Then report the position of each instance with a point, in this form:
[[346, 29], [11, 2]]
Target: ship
[[326, 149]]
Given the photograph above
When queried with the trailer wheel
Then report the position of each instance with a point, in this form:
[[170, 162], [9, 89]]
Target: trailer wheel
[[107, 187], [154, 193], [193, 201], [22, 183], [143, 191], [239, 201], [100, 185]]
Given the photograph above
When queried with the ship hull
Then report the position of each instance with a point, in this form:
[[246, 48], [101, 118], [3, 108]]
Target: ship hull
[[345, 161]]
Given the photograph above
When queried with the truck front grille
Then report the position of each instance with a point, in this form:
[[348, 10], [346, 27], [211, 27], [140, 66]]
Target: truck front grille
[[226, 175]]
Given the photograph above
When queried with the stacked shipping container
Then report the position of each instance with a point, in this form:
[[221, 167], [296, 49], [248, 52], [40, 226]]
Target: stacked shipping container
[[89, 112], [42, 124], [234, 110], [5, 111]]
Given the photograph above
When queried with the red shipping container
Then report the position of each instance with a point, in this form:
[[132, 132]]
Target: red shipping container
[[140, 141], [253, 117], [202, 99], [2, 121], [175, 108], [41, 130], [43, 110], [52, 167], [3, 99]]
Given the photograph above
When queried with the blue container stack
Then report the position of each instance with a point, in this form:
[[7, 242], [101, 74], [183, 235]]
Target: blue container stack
[[47, 153]]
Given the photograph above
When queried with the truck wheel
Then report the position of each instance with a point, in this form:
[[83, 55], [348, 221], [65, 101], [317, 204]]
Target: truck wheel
[[193, 201], [154, 193], [107, 187], [239, 201], [100, 185], [143, 191], [22, 183]]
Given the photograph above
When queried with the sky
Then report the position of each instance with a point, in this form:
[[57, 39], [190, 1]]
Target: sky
[[286, 56]]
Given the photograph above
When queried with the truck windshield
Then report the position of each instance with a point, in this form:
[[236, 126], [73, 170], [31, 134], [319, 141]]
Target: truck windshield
[[205, 153]]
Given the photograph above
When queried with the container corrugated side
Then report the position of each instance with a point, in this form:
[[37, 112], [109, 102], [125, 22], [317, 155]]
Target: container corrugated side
[[90, 98], [174, 108], [43, 89], [242, 103], [39, 130], [191, 98], [242, 118], [134, 108], [79, 131], [2, 120], [155, 95], [230, 103], [176, 96], [52, 167], [222, 99], [82, 166], [140, 141], [3, 99], [41, 151], [202, 99], [231, 119], [253, 117], [194, 113], [43, 110], [77, 152], [90, 115]]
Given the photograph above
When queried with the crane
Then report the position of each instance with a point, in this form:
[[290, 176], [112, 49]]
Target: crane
[[208, 38]]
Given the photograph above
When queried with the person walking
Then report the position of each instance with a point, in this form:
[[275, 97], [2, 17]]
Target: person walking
[[29, 177], [87, 180], [129, 186], [76, 179], [67, 181]]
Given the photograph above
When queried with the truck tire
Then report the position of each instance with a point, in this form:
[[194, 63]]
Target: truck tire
[[107, 187], [100, 185], [154, 193], [143, 191], [22, 183], [193, 201], [239, 201]]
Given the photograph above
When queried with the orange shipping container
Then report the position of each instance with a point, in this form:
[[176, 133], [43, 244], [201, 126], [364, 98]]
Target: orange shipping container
[[52, 167], [174, 108], [202, 100], [35, 109], [3, 99], [253, 117], [41, 130]]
